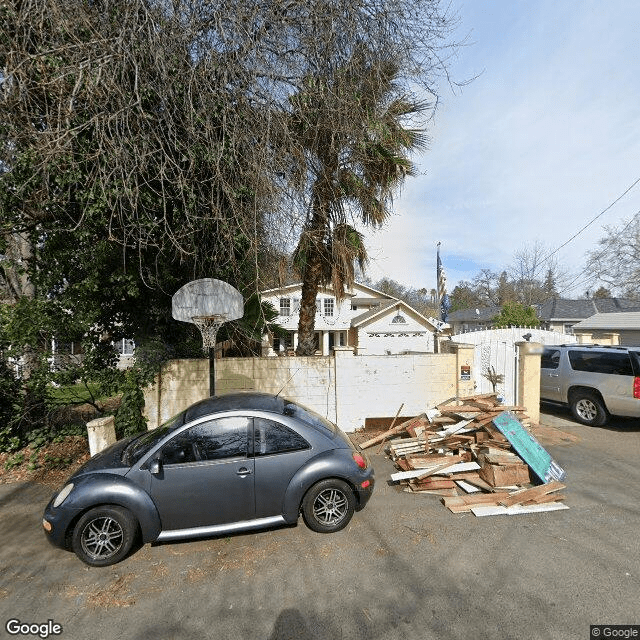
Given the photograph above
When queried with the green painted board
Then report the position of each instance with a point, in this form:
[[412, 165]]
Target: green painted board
[[528, 448]]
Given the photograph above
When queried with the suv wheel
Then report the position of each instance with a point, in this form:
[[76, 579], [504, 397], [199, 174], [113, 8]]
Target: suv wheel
[[587, 408]]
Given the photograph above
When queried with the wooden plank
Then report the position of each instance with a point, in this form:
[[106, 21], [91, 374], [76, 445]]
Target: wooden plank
[[433, 483], [418, 473], [418, 420], [550, 497], [467, 486], [531, 494], [476, 480], [463, 503], [460, 466], [516, 509], [432, 492], [418, 462], [465, 408]]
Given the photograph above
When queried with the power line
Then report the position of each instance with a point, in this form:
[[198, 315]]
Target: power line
[[586, 226], [590, 278]]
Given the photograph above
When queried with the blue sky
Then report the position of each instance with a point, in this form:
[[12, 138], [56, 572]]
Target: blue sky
[[542, 141]]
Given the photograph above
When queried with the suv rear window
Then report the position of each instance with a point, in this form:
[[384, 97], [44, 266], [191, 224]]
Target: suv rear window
[[601, 362]]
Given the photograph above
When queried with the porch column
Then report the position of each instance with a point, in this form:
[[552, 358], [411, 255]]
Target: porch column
[[325, 343]]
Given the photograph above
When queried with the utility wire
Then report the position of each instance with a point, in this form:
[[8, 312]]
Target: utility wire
[[586, 226], [582, 278]]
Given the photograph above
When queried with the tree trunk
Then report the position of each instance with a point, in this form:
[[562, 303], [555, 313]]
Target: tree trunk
[[312, 275], [306, 324]]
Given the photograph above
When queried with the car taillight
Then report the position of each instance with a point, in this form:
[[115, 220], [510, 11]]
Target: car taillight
[[636, 387], [359, 460]]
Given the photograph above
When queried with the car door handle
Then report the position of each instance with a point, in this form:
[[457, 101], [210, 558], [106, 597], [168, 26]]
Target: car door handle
[[554, 375], [243, 471]]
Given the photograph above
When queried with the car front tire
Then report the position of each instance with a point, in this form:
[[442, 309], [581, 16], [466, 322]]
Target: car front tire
[[328, 506], [104, 535], [588, 409]]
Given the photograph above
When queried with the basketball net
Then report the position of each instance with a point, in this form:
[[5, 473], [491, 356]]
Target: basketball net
[[208, 326]]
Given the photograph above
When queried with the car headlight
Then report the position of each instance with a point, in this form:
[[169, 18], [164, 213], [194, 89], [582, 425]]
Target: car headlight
[[62, 496]]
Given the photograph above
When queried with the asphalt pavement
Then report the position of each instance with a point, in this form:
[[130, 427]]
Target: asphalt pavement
[[405, 568]]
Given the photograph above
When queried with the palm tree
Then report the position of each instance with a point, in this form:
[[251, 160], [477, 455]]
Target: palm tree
[[354, 146]]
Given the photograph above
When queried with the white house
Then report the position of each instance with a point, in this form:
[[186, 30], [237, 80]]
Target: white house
[[373, 322]]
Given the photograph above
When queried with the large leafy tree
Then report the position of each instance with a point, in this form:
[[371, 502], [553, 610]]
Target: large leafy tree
[[146, 144], [355, 145]]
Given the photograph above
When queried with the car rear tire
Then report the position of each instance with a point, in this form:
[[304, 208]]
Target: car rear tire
[[588, 409], [104, 535], [328, 506]]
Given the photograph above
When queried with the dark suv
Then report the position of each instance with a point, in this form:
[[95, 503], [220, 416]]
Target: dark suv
[[594, 381]]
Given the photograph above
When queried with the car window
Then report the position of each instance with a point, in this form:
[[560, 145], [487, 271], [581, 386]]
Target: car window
[[146, 441], [617, 363], [212, 440], [307, 416], [550, 359], [273, 437]]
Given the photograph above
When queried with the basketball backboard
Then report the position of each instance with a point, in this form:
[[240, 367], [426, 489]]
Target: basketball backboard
[[207, 298]]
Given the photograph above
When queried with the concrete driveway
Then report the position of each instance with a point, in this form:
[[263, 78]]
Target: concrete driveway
[[406, 568]]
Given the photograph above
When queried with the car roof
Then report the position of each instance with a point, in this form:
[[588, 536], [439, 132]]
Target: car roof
[[248, 400], [606, 347]]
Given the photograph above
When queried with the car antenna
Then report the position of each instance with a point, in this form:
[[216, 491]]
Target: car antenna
[[287, 382]]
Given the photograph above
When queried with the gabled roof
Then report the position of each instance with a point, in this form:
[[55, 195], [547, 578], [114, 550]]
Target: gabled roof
[[378, 295], [611, 321], [384, 309], [561, 309]]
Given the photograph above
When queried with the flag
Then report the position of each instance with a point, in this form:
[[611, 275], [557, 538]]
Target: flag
[[443, 298]]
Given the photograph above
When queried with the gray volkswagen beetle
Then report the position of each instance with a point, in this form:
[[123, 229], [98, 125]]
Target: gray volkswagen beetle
[[228, 463]]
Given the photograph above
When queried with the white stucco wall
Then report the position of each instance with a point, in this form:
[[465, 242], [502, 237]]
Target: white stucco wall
[[346, 388]]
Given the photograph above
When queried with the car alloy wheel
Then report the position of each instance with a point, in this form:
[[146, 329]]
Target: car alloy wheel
[[104, 535], [588, 409], [328, 506]]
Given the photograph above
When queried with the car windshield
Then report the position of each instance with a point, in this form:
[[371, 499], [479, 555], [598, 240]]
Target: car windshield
[[146, 441], [307, 416]]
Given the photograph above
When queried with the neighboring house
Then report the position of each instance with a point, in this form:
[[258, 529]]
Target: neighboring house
[[610, 329], [64, 354], [562, 315], [556, 314], [369, 320], [476, 319]]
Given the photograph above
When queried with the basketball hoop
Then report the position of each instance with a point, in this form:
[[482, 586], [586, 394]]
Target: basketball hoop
[[209, 326], [208, 303]]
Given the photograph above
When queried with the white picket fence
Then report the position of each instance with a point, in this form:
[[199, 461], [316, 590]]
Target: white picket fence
[[496, 348]]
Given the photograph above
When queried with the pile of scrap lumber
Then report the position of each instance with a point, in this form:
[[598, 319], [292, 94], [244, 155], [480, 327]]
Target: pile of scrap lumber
[[456, 451]]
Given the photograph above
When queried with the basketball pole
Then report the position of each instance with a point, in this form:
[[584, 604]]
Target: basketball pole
[[212, 371]]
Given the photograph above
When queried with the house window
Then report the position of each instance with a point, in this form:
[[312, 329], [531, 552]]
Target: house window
[[328, 306], [285, 306], [398, 319], [125, 347]]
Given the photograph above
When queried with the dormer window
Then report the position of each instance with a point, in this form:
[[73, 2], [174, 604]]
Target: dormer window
[[285, 306], [329, 307]]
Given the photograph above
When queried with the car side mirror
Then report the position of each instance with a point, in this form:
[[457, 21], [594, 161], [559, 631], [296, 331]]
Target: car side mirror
[[155, 466]]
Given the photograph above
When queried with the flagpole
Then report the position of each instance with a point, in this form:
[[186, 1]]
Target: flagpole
[[438, 267]]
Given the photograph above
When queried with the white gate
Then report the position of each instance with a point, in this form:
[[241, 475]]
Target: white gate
[[496, 350]]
